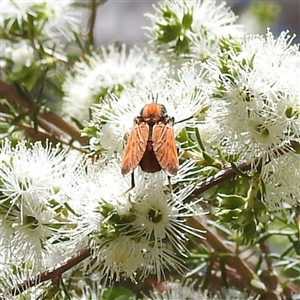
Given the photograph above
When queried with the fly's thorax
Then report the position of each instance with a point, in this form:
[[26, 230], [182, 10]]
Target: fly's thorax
[[153, 113]]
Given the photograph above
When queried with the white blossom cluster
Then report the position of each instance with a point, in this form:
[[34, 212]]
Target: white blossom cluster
[[183, 98], [240, 92], [184, 30], [188, 290], [36, 221], [250, 96], [110, 70], [59, 17], [54, 204], [255, 109]]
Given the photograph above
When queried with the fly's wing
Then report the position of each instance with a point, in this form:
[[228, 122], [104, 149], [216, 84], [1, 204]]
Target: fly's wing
[[135, 148], [164, 147]]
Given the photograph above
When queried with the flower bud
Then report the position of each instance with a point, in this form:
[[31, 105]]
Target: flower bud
[[226, 215], [231, 201]]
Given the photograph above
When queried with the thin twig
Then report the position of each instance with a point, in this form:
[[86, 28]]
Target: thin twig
[[44, 136], [92, 22], [229, 173], [58, 125], [49, 274], [232, 260]]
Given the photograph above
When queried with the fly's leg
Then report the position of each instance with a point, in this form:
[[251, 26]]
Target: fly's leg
[[132, 185]]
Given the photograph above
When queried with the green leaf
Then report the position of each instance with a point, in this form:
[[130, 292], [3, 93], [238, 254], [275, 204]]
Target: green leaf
[[246, 217], [249, 232], [296, 245], [168, 33], [168, 14], [182, 45], [199, 140], [229, 216], [187, 20]]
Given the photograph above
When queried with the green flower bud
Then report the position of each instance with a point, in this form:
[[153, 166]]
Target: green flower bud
[[106, 209], [228, 215], [231, 201], [169, 33]]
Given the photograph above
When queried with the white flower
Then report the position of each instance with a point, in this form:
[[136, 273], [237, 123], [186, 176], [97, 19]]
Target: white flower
[[110, 71], [121, 258], [281, 181], [183, 98], [63, 19], [103, 184], [21, 54], [255, 106], [36, 224], [177, 290], [55, 19], [190, 29], [159, 258], [15, 10], [128, 231], [36, 172], [159, 217], [154, 215], [186, 289]]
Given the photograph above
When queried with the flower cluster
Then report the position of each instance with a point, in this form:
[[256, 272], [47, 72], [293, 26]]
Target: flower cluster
[[34, 35], [55, 19], [134, 234], [110, 71], [53, 203], [36, 221], [183, 98], [255, 107], [188, 290], [256, 101], [181, 30]]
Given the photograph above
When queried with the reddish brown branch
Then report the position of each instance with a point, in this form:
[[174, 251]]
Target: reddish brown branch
[[229, 173], [43, 136], [56, 125], [53, 274]]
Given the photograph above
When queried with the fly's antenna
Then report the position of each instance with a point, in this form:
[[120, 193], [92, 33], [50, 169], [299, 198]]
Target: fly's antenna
[[154, 98]]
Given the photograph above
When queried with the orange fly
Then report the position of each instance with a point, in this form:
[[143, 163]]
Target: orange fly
[[151, 143]]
